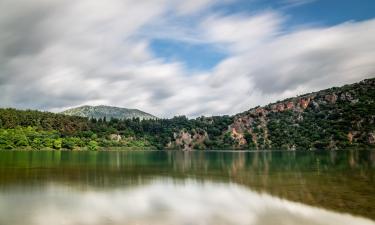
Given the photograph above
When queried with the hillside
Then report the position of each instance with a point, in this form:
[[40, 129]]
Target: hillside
[[335, 118], [329, 119], [332, 118], [107, 112]]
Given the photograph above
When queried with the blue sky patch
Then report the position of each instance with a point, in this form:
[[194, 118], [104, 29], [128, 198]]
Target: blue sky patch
[[197, 57], [205, 56], [326, 12]]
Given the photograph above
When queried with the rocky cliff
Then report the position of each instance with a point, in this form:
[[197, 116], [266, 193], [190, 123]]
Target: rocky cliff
[[329, 119]]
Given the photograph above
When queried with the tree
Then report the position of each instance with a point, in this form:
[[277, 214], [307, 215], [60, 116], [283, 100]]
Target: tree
[[228, 140], [249, 140], [68, 143]]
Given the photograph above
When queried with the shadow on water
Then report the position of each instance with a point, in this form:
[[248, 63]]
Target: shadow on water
[[342, 181]]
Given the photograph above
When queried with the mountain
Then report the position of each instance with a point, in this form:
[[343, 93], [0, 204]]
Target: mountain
[[334, 118], [108, 112]]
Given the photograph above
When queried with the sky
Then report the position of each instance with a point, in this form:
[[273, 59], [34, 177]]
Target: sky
[[173, 57]]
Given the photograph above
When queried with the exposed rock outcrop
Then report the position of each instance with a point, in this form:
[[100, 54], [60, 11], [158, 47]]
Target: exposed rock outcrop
[[114, 137], [189, 141], [371, 138], [256, 121]]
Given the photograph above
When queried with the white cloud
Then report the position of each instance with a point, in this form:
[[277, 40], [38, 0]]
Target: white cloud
[[241, 31], [161, 201], [295, 3], [57, 54], [186, 7]]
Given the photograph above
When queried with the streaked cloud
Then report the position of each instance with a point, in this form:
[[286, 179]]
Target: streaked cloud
[[55, 55], [295, 3]]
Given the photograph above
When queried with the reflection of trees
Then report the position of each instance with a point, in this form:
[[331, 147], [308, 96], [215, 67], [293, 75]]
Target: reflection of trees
[[341, 180]]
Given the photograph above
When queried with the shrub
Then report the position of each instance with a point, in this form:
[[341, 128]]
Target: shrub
[[92, 146], [57, 144]]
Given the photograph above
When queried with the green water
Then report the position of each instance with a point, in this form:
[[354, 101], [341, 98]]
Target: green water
[[170, 187]]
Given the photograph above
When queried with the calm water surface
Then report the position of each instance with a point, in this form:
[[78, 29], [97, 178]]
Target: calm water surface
[[255, 188]]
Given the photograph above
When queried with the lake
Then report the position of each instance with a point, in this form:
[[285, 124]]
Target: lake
[[198, 187]]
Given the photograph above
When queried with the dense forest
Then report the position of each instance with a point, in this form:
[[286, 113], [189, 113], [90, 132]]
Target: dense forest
[[43, 130], [335, 118]]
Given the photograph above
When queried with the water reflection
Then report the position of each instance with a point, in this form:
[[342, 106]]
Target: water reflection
[[162, 201], [342, 181]]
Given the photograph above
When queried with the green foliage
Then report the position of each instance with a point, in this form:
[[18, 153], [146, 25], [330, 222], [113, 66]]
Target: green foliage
[[316, 127], [72, 143], [37, 143], [66, 125], [48, 142], [228, 141], [57, 144], [330, 124], [92, 146], [249, 141]]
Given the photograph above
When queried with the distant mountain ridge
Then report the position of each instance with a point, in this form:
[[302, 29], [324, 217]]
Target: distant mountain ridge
[[108, 112]]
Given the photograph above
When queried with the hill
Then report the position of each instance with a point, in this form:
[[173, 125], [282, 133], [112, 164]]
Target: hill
[[332, 118], [335, 118], [107, 112]]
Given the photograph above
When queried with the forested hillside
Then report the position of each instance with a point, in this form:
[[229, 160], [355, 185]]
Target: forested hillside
[[331, 119], [335, 118]]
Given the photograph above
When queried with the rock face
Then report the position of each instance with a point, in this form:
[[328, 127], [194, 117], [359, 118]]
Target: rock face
[[304, 102], [332, 98], [108, 112], [371, 138], [350, 137], [189, 140], [114, 137]]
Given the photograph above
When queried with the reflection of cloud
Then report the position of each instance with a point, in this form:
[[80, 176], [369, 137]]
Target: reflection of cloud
[[162, 202]]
